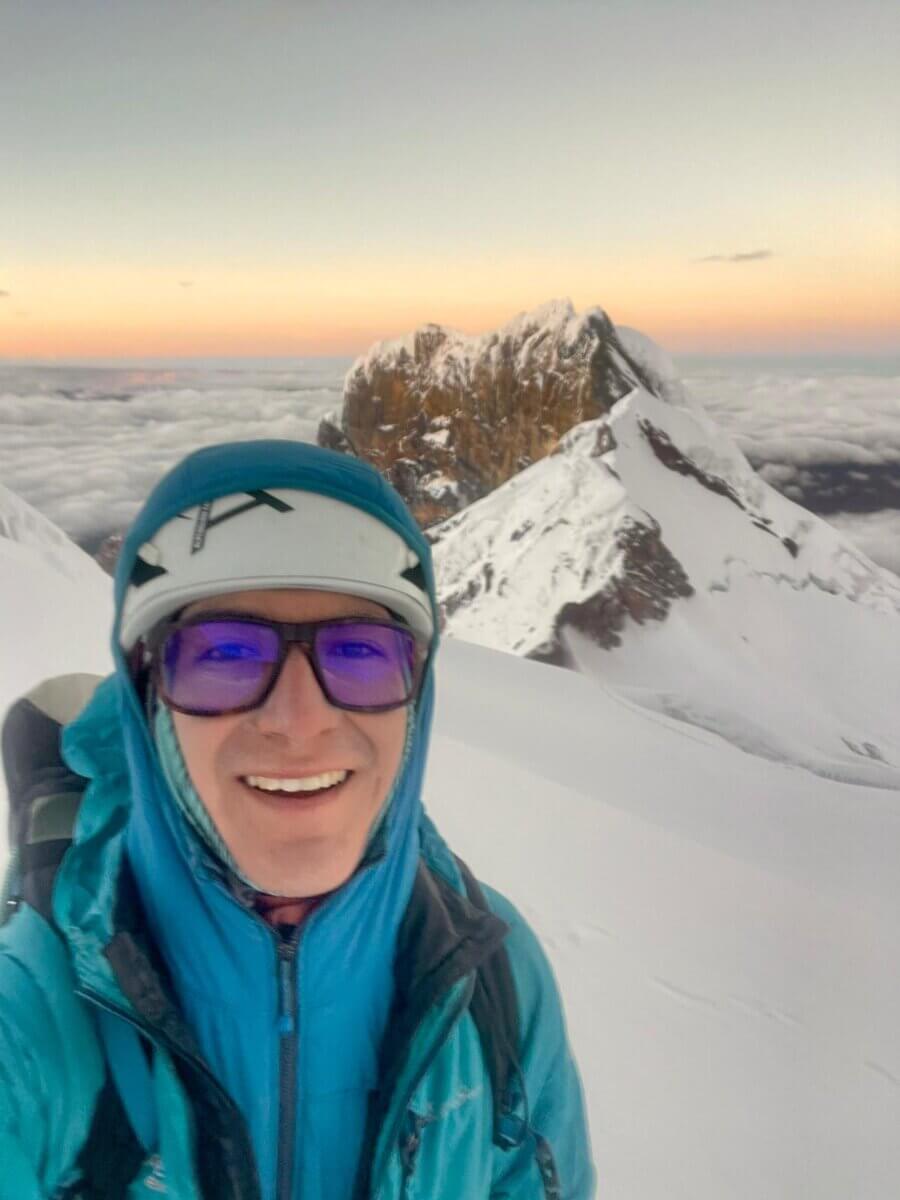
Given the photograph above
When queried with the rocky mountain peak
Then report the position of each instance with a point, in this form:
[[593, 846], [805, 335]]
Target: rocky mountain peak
[[449, 417]]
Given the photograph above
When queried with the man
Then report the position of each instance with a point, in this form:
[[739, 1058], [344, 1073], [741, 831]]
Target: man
[[262, 972]]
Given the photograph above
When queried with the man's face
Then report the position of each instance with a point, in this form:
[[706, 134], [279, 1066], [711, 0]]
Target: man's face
[[298, 844]]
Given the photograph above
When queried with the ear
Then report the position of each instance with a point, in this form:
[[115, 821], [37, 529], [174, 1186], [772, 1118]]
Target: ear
[[139, 662]]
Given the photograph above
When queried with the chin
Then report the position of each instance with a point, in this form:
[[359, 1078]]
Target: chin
[[308, 870]]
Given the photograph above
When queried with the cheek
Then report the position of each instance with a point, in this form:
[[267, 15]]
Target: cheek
[[201, 741], [388, 734]]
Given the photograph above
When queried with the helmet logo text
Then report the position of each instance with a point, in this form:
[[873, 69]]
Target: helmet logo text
[[206, 521]]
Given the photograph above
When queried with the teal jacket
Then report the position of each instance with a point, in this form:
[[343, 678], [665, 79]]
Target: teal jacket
[[352, 1070]]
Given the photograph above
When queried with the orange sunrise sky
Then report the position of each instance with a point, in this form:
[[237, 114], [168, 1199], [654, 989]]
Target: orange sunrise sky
[[296, 179]]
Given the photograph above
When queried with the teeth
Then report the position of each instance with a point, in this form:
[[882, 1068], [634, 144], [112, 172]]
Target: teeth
[[312, 783]]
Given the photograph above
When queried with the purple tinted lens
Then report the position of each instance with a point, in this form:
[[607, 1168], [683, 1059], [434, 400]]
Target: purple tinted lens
[[364, 665], [216, 666]]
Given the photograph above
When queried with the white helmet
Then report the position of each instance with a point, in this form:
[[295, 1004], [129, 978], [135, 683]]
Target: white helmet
[[273, 538]]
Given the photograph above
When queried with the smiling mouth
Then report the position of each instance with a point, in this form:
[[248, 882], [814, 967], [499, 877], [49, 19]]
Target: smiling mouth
[[301, 787]]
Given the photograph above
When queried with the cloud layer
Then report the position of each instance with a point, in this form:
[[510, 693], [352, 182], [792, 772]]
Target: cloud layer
[[86, 445]]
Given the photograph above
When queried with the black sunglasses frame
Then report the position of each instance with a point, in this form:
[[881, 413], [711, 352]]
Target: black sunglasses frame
[[289, 633]]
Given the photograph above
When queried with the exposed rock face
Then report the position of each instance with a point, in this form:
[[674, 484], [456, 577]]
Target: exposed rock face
[[449, 418], [648, 580]]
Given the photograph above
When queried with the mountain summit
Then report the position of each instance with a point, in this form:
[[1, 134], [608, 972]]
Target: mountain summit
[[448, 417]]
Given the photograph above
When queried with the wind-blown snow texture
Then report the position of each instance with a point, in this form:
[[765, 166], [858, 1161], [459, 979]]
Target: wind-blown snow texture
[[723, 924]]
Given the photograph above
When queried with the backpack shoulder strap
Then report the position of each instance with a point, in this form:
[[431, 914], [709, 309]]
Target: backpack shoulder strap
[[111, 1155], [44, 794], [44, 797], [495, 1011]]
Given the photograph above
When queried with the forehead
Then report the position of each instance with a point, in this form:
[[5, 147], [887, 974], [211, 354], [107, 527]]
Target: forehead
[[289, 604]]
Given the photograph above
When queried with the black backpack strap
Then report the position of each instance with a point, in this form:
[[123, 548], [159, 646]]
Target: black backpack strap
[[111, 1155], [495, 1011]]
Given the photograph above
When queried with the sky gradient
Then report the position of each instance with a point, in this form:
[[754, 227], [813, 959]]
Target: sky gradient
[[306, 177]]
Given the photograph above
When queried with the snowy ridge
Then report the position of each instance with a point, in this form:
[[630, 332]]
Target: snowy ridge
[[758, 535], [606, 473], [658, 366], [507, 564], [648, 553]]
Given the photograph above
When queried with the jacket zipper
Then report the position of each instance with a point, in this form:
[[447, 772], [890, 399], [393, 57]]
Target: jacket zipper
[[287, 1064]]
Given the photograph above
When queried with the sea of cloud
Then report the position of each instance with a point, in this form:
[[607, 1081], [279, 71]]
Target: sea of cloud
[[85, 444]]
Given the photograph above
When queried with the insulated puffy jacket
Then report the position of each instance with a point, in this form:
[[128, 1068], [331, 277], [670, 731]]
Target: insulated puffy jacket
[[349, 1069]]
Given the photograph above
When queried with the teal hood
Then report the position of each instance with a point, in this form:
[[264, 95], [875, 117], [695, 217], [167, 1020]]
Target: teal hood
[[226, 966]]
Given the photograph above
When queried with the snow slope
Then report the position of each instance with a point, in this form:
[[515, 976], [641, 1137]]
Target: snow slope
[[723, 927], [722, 924]]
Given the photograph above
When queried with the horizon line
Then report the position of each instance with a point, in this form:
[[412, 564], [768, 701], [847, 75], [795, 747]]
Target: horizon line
[[100, 360]]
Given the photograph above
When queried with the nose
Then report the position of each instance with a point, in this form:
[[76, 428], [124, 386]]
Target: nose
[[296, 706]]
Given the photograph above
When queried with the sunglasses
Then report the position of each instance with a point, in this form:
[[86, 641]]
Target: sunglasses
[[215, 664]]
